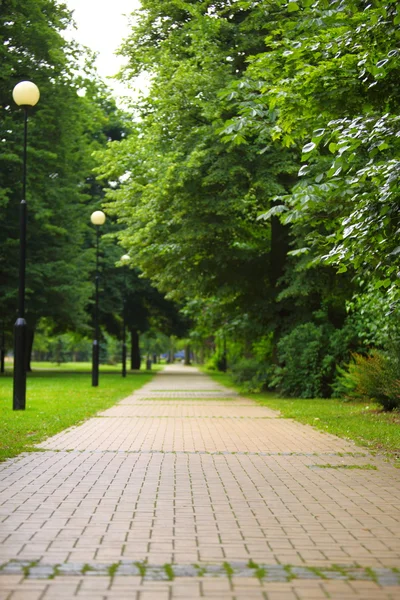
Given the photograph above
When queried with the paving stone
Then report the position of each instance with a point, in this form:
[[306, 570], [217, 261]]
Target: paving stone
[[187, 472], [41, 572]]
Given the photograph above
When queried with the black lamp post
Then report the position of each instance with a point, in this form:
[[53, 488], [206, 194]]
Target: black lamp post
[[124, 259], [98, 218], [2, 350], [25, 94]]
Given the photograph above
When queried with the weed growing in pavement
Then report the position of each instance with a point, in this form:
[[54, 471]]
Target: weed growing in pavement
[[112, 569], [200, 570], [341, 571], [86, 568], [259, 572], [26, 568], [228, 569], [317, 572], [169, 572], [56, 571], [288, 571], [372, 574], [142, 568]]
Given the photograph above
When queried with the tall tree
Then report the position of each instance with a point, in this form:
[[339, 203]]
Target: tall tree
[[251, 165], [71, 120], [188, 200]]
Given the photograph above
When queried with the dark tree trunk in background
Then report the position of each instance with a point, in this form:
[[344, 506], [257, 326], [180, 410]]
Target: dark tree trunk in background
[[278, 257], [279, 249], [135, 350], [187, 355]]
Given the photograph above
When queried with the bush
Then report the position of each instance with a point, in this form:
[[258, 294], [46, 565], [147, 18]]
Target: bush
[[300, 355], [250, 374], [211, 363], [307, 358], [375, 377]]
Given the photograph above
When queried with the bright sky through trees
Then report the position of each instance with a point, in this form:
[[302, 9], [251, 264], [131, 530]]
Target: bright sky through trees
[[102, 26]]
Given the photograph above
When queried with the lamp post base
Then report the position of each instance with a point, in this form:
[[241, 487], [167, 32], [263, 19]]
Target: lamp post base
[[95, 364], [19, 391]]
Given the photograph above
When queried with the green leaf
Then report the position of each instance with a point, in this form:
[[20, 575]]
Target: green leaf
[[273, 212], [308, 148], [318, 133], [299, 251], [303, 170]]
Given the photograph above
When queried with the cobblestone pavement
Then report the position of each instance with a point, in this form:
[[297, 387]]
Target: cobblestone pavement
[[187, 490]]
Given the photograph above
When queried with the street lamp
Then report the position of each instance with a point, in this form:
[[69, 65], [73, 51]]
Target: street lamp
[[26, 94], [125, 258], [2, 350], [98, 218]]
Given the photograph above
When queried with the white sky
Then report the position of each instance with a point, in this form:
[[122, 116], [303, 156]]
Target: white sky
[[102, 26]]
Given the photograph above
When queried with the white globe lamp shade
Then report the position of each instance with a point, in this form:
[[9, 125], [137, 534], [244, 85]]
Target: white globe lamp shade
[[98, 217], [125, 257], [26, 93]]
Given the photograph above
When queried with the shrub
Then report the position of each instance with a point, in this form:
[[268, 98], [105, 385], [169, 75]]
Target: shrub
[[250, 374], [300, 355], [308, 355], [214, 363], [374, 377]]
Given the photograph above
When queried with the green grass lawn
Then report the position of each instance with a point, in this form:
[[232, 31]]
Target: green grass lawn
[[57, 399], [83, 366], [364, 423]]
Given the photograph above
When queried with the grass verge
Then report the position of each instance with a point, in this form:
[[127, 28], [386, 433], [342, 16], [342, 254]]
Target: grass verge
[[56, 400], [82, 367], [364, 423]]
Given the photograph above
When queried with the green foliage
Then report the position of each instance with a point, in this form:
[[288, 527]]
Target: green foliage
[[375, 317], [188, 201], [331, 77], [154, 342], [262, 348], [301, 355], [59, 348], [249, 374], [212, 362], [73, 117], [260, 182], [375, 377], [308, 356]]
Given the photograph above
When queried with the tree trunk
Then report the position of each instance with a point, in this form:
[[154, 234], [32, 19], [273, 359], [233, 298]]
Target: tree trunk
[[171, 351], [202, 354], [279, 249], [135, 350], [278, 257], [187, 355]]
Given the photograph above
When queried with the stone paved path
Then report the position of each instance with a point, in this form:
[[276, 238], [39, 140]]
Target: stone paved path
[[187, 490]]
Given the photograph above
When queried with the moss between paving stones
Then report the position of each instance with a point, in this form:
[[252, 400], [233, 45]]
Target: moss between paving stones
[[170, 572]]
